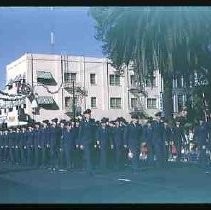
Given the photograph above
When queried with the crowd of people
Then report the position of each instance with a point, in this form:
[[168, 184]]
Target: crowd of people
[[104, 145]]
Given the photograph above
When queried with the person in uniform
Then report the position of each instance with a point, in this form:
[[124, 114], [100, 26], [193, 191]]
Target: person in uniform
[[201, 137], [77, 151], [1, 145], [179, 138], [102, 137], [53, 138], [29, 143], [86, 138], [37, 147], [23, 146], [132, 139], [43, 142], [147, 135], [117, 144], [11, 136], [68, 144], [6, 145], [157, 139], [17, 145]]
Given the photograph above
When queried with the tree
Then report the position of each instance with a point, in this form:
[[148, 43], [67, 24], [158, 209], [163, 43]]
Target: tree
[[175, 40]]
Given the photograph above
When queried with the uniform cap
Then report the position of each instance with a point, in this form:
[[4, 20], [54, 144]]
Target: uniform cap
[[88, 111], [134, 116], [103, 120], [158, 114], [45, 121], [55, 120], [63, 121]]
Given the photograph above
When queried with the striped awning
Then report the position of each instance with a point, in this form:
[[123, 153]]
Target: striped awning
[[44, 75], [11, 104], [18, 78], [45, 100], [10, 82]]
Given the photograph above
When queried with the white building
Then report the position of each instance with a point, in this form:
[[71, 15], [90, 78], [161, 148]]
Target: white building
[[107, 94]]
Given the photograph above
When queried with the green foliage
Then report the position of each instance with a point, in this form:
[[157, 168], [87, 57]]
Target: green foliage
[[175, 40]]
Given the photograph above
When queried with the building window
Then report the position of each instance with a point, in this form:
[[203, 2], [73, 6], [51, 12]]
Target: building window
[[70, 77], [132, 79], [92, 79], [5, 110], [180, 102], [151, 103], [17, 107], [115, 103], [179, 82], [24, 106], [134, 102], [10, 109], [0, 112], [150, 83], [67, 101], [93, 102], [114, 79]]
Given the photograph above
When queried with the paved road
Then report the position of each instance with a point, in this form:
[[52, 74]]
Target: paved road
[[179, 184]]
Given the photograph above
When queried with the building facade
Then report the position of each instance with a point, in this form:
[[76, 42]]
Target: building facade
[[97, 86]]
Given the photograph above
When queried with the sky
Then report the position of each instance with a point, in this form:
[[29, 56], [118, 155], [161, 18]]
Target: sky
[[28, 29]]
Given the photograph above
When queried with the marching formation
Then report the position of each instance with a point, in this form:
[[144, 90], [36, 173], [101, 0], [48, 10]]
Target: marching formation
[[104, 145]]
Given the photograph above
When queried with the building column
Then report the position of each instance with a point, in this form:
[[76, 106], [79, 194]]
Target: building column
[[175, 102]]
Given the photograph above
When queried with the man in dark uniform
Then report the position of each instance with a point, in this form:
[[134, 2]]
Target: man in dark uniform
[[117, 143], [37, 147], [201, 137], [12, 139], [17, 145], [43, 142], [68, 144], [179, 138], [103, 142], [23, 139], [29, 143], [157, 139], [1, 145], [6, 145], [132, 139], [53, 137], [147, 135], [86, 138], [77, 151]]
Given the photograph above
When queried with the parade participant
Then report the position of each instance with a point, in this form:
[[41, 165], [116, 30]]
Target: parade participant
[[60, 143], [77, 151], [11, 136], [167, 137], [86, 138], [103, 142], [117, 138], [147, 134], [201, 136], [23, 146], [1, 145], [29, 143], [179, 138], [44, 141], [157, 139], [68, 144], [37, 146], [17, 145], [53, 135], [132, 139]]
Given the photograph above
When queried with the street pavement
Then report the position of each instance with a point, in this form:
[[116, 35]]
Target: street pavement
[[173, 184]]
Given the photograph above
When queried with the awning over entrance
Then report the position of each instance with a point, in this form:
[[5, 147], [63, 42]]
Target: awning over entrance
[[45, 100], [44, 75], [11, 104], [10, 82]]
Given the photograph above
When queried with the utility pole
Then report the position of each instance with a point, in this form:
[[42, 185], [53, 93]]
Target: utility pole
[[74, 102]]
